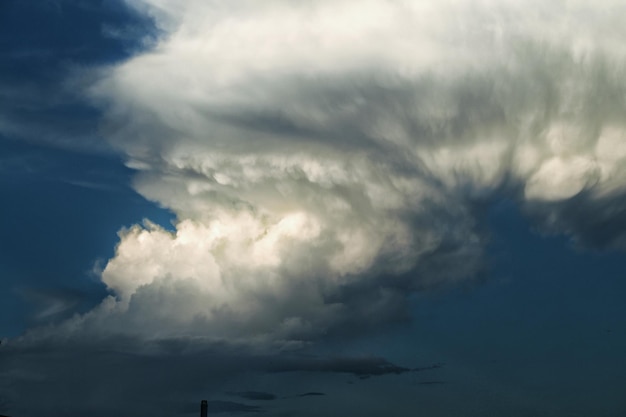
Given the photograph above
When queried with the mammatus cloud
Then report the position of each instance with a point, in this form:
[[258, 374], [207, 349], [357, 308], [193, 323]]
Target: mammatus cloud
[[326, 159]]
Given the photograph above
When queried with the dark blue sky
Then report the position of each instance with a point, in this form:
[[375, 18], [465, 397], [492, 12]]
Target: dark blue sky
[[465, 286], [66, 193]]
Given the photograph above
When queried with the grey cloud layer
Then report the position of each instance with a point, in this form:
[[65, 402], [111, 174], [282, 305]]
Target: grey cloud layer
[[167, 381], [327, 159]]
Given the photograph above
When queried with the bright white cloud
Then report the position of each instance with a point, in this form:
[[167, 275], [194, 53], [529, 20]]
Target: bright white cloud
[[323, 157]]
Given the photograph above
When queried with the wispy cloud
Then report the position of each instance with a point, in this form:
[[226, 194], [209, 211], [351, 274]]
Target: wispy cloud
[[50, 304]]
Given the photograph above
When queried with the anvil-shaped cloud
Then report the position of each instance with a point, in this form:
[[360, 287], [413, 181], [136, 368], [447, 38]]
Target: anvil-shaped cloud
[[326, 159]]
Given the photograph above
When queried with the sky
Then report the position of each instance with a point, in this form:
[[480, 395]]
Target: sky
[[316, 208]]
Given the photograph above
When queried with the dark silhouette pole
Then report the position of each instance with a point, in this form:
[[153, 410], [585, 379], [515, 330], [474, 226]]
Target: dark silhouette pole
[[203, 408]]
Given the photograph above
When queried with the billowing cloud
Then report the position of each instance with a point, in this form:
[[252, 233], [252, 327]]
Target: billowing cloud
[[326, 159]]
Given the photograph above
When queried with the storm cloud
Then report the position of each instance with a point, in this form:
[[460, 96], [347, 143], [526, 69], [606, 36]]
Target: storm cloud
[[326, 160]]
